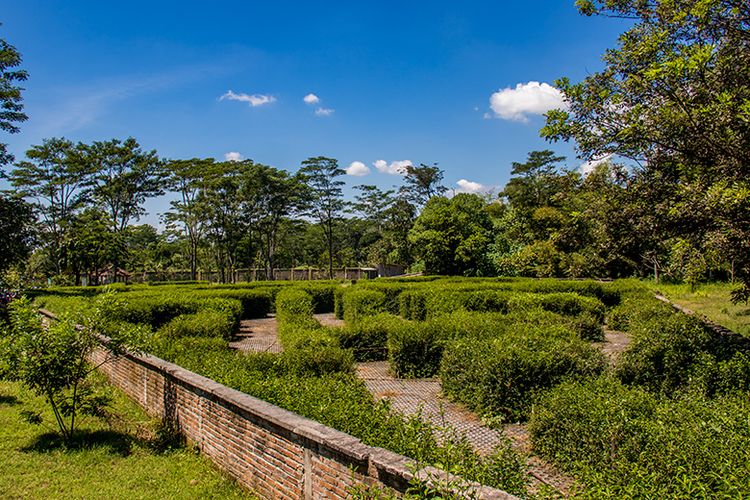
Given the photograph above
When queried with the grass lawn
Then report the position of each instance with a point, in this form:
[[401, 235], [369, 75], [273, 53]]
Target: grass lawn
[[116, 457], [712, 301]]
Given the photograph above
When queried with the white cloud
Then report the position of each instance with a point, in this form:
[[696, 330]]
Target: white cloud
[[232, 156], [532, 98], [311, 99], [397, 167], [324, 111], [357, 169], [465, 186], [587, 167], [253, 100]]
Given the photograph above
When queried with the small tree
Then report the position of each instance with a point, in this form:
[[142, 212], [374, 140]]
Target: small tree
[[54, 359]]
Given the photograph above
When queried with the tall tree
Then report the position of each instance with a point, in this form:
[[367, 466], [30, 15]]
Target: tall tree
[[17, 227], [452, 236], [187, 178], [54, 177], [674, 97], [221, 207], [123, 177], [11, 102], [422, 183], [326, 203], [271, 195]]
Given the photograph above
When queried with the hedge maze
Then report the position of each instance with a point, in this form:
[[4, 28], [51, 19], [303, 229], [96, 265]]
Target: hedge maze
[[669, 417]]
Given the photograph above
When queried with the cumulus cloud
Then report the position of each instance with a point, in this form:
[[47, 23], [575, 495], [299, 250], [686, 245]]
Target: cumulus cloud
[[587, 167], [465, 186], [311, 99], [253, 100], [397, 167], [357, 169], [324, 111], [532, 98], [232, 156]]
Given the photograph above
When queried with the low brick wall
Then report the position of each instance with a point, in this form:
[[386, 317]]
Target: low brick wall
[[274, 452]]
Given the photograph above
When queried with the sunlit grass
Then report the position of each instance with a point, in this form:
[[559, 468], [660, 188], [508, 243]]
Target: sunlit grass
[[111, 458], [713, 301]]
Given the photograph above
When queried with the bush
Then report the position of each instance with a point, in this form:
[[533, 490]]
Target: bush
[[415, 348], [411, 305], [362, 303], [322, 296], [206, 323], [256, 303], [679, 352], [368, 339], [317, 357], [294, 306], [626, 443], [568, 304], [338, 302], [500, 376]]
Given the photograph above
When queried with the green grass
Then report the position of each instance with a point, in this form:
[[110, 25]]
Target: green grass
[[713, 301], [113, 457]]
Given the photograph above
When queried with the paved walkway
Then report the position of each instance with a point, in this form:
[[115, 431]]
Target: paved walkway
[[409, 396]]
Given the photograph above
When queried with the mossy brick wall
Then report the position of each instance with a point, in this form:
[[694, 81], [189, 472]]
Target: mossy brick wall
[[272, 451]]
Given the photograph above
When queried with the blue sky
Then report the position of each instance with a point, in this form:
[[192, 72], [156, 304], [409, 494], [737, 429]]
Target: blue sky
[[394, 81]]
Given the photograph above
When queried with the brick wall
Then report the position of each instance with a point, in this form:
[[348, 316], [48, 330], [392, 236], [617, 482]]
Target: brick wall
[[276, 453]]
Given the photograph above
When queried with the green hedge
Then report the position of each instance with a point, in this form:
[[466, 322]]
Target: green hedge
[[415, 348], [359, 304], [680, 352], [368, 338], [206, 323], [627, 443], [500, 376]]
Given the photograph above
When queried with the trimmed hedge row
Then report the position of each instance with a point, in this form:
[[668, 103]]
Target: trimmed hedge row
[[500, 376], [625, 442]]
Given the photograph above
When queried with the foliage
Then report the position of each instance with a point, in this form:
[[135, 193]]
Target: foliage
[[53, 360], [625, 442], [359, 304], [451, 236], [17, 225], [673, 98], [501, 375], [326, 203], [11, 102]]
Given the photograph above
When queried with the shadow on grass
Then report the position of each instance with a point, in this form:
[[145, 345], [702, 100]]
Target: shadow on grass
[[115, 443], [8, 400]]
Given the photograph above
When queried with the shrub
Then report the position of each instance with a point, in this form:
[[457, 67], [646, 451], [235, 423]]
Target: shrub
[[487, 300], [361, 303], [368, 338], [256, 303], [569, 304], [415, 348], [627, 443], [338, 302], [294, 305], [679, 352], [412, 305], [322, 296], [206, 323], [636, 309], [317, 357], [500, 376]]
